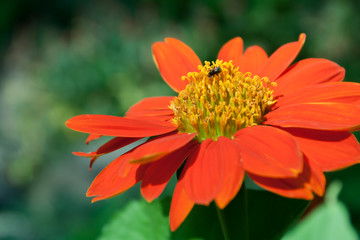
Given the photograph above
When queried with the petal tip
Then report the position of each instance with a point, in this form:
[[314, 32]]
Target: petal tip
[[173, 226], [237, 38], [302, 38], [147, 198], [221, 204], [67, 123]]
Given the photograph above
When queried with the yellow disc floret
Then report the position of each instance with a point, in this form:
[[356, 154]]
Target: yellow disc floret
[[220, 100]]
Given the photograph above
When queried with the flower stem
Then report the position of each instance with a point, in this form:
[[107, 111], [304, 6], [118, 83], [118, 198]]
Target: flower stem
[[237, 228], [222, 223], [244, 201]]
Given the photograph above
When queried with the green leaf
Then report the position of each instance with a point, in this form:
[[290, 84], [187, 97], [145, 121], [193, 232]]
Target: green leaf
[[138, 220], [329, 221]]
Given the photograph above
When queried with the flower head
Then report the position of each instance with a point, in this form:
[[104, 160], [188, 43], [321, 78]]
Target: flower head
[[244, 112], [219, 100]]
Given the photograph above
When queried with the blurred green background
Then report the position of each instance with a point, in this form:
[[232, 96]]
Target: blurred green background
[[63, 58]]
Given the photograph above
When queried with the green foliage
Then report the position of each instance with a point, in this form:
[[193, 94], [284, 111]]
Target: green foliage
[[138, 220], [329, 221], [63, 58], [267, 217]]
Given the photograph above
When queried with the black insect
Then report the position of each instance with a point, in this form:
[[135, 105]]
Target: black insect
[[214, 72]]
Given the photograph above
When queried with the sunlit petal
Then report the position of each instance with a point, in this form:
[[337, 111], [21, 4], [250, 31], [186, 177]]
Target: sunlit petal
[[174, 59], [282, 58], [279, 156], [118, 126], [232, 51]]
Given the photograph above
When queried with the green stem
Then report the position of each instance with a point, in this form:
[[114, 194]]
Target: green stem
[[222, 223], [238, 208], [244, 201]]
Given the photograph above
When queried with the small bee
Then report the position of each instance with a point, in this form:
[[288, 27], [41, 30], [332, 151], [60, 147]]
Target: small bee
[[214, 72]]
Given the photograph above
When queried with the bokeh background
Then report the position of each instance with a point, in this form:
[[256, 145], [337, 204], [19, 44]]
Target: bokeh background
[[63, 58]]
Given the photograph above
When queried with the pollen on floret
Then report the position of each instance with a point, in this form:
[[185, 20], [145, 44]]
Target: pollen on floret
[[220, 100]]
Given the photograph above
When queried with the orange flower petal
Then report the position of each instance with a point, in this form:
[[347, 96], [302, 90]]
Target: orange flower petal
[[175, 59], [253, 60], [154, 149], [158, 118], [110, 146], [118, 126], [269, 152], [204, 173], [298, 187], [188, 55], [180, 207], [282, 58], [115, 178], [317, 178], [92, 137], [234, 172], [323, 116], [84, 154], [311, 179], [153, 106], [328, 149], [290, 188], [342, 92], [232, 51], [308, 72], [158, 173]]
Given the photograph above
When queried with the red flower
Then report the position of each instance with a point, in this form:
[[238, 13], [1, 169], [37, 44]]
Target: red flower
[[246, 112]]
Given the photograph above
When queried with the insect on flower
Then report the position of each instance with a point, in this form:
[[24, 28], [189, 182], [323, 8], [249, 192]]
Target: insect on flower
[[214, 72]]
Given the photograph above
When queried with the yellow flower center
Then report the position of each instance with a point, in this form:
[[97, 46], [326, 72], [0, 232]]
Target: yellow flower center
[[220, 100]]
